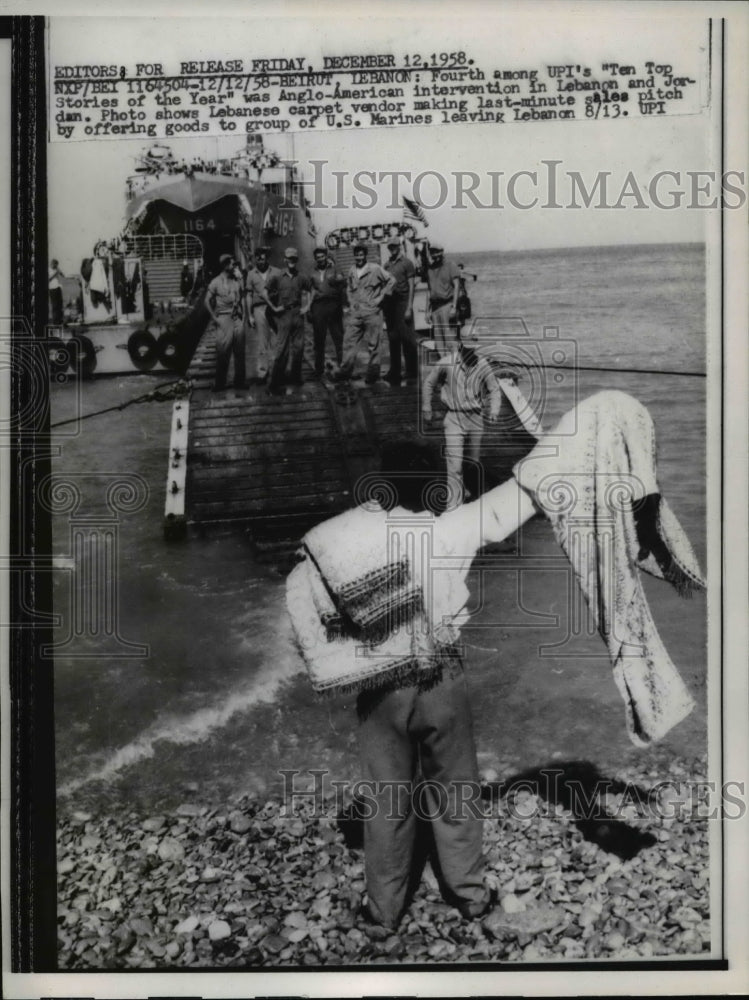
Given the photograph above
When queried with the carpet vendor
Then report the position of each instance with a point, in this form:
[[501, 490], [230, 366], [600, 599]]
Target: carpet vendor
[[379, 599]]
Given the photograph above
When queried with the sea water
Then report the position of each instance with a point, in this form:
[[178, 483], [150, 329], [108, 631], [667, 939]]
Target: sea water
[[221, 703]]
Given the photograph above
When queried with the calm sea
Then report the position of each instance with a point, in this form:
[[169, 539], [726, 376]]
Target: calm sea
[[220, 701]]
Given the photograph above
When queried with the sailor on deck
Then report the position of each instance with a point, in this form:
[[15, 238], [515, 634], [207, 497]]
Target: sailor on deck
[[224, 302]]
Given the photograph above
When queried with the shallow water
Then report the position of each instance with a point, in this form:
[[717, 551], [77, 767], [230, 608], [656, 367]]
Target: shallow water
[[221, 700]]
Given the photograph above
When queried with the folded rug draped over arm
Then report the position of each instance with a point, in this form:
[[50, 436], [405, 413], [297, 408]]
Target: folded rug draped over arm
[[594, 477]]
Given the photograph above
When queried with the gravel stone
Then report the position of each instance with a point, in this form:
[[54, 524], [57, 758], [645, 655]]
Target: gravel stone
[[219, 884], [218, 930]]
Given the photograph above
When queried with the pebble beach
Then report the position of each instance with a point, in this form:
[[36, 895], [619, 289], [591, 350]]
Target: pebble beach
[[250, 884]]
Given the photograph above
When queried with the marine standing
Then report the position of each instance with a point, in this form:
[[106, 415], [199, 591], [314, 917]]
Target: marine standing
[[258, 313], [398, 309], [467, 381], [224, 302], [326, 309], [367, 284], [443, 278], [288, 296]]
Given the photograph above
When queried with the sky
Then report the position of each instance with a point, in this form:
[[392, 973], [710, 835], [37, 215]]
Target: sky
[[87, 179]]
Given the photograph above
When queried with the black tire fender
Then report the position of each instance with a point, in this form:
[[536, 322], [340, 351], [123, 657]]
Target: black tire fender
[[143, 350], [83, 356], [169, 347]]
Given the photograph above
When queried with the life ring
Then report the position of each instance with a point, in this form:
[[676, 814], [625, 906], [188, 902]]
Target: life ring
[[408, 231], [83, 358], [59, 357], [378, 233], [395, 229], [169, 347], [362, 234], [332, 242], [143, 350]]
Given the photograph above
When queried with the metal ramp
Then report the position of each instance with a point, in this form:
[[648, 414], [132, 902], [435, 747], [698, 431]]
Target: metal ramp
[[277, 465], [273, 462]]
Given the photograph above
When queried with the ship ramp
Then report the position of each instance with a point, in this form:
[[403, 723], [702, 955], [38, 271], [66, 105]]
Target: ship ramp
[[277, 465]]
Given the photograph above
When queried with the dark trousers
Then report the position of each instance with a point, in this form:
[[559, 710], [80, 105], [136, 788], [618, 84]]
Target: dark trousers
[[401, 335], [229, 343], [446, 333], [327, 317], [289, 344], [361, 327], [55, 306], [401, 732]]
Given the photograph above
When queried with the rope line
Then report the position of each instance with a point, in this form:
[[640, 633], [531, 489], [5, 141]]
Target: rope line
[[155, 395], [622, 371]]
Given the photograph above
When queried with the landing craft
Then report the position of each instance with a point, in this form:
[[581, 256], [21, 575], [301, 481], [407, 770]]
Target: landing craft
[[241, 459], [137, 302]]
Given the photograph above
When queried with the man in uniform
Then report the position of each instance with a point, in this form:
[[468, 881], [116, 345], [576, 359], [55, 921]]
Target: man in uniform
[[398, 311], [288, 295], [466, 379], [367, 284], [224, 302], [443, 278], [326, 309], [258, 313]]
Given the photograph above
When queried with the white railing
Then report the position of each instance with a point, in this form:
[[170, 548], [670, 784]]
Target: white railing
[[164, 246]]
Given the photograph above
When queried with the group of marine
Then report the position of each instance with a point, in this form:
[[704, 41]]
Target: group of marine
[[275, 303]]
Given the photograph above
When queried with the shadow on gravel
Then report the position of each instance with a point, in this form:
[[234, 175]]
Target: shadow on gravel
[[581, 789], [351, 826], [576, 786]]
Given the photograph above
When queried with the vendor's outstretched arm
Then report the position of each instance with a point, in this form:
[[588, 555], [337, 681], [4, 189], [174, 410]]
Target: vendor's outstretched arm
[[493, 517], [503, 510]]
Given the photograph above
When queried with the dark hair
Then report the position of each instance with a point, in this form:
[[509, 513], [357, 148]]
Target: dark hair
[[410, 469]]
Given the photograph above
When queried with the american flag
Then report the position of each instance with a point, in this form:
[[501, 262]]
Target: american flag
[[413, 210]]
